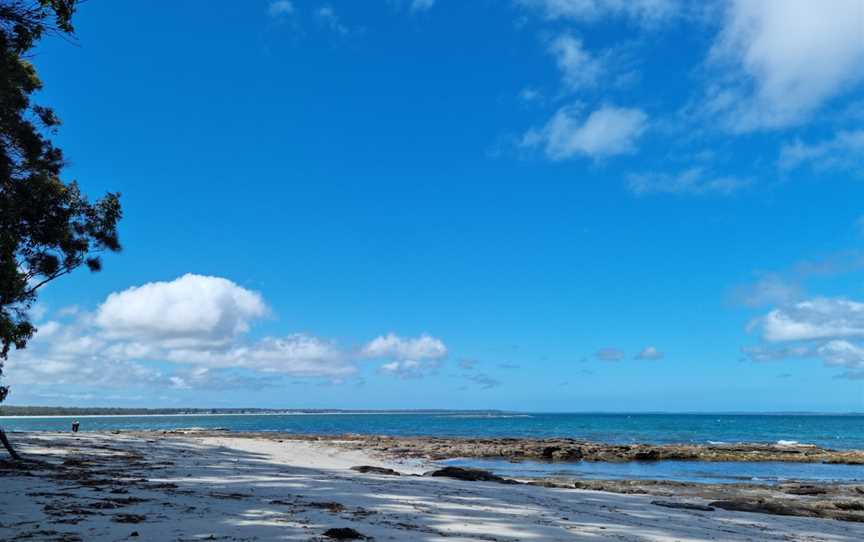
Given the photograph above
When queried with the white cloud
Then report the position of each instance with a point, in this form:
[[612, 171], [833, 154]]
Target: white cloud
[[410, 358], [609, 354], [280, 8], [842, 354], [328, 15], [690, 181], [295, 355], [529, 95], [393, 346], [422, 5], [650, 353], [193, 327], [646, 11], [828, 329], [579, 68], [820, 318], [608, 131], [193, 310], [844, 151], [770, 289], [785, 59]]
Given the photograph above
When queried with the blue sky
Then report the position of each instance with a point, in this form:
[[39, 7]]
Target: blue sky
[[558, 205]]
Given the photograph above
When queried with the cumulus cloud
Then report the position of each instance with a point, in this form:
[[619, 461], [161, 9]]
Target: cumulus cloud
[[607, 131], [579, 68], [784, 59], [645, 11], [820, 318], [392, 346], [609, 354], [408, 357], [193, 310], [650, 353], [828, 329], [844, 151], [191, 333], [694, 181]]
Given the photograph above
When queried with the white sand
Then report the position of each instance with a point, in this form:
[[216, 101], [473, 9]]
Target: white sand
[[253, 489]]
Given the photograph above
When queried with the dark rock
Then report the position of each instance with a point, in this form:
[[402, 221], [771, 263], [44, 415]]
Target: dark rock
[[367, 469], [683, 505], [647, 455], [549, 452], [805, 490], [762, 506], [134, 534], [850, 505], [128, 518], [344, 533], [470, 475]]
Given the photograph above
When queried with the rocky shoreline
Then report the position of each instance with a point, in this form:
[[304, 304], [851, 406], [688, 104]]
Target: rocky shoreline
[[563, 449]]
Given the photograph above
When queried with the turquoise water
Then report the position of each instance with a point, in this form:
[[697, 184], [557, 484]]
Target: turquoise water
[[832, 431]]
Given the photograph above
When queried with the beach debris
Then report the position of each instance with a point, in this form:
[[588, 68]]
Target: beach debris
[[367, 469], [344, 533], [683, 505], [470, 475]]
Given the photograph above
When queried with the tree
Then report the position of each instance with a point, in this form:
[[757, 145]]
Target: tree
[[47, 227]]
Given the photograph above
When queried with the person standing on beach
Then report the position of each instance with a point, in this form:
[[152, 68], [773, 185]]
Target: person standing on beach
[[75, 426]]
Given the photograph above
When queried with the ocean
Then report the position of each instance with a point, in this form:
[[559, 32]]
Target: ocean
[[830, 431]]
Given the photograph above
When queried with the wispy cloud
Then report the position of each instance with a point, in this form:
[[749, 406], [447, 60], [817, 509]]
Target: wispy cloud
[[649, 353], [579, 68], [693, 181], [844, 151], [643, 11], [280, 8], [609, 354], [329, 17], [607, 131]]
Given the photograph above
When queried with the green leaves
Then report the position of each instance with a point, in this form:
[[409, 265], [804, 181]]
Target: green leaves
[[47, 227]]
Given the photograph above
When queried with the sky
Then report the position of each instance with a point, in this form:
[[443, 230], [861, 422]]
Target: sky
[[536, 205]]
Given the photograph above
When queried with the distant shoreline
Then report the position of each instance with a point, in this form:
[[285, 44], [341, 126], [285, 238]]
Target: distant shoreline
[[19, 412]]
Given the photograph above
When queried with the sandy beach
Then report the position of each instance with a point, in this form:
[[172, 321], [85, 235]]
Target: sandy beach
[[183, 487]]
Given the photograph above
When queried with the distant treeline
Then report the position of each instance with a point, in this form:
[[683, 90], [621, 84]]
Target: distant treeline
[[7, 410]]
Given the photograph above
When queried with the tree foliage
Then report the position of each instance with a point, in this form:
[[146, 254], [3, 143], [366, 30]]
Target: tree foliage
[[47, 227]]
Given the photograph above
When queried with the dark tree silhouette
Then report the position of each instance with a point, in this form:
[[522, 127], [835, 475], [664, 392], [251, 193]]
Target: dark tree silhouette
[[47, 227]]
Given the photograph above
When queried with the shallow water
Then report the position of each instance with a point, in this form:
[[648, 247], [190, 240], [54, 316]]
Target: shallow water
[[832, 431], [728, 472]]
